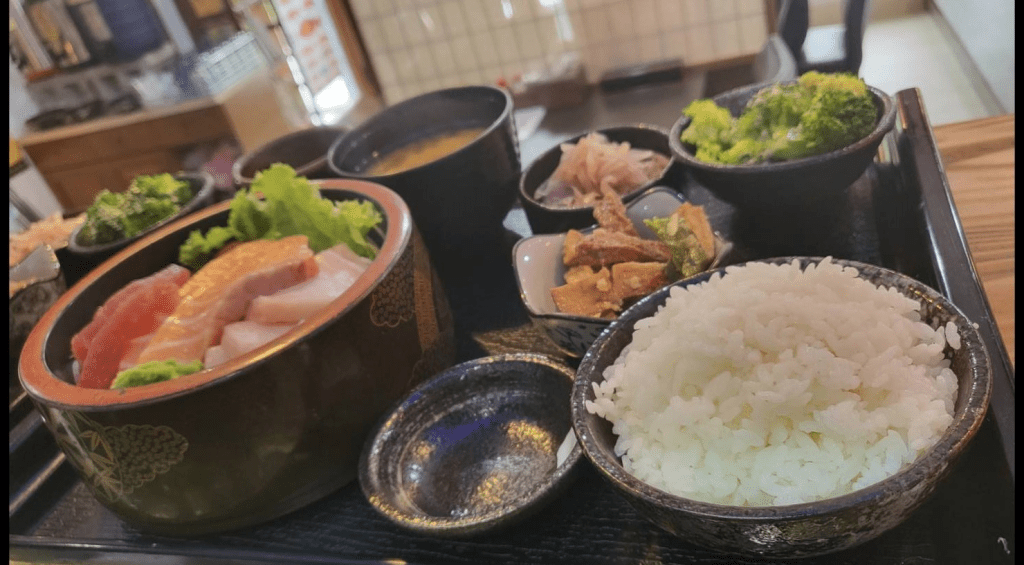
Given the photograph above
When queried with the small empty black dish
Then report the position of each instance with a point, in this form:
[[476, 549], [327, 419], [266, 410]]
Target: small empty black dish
[[479, 446], [305, 150]]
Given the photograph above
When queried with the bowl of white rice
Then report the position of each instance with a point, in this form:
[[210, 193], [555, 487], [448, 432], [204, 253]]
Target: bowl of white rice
[[788, 407]]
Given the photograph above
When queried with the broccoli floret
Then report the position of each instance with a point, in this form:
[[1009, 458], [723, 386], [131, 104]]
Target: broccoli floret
[[149, 199], [104, 219], [144, 212], [745, 150], [773, 108], [838, 117], [710, 128], [162, 187], [818, 114]]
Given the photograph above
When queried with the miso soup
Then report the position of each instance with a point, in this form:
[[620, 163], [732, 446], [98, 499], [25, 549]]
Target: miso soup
[[423, 151]]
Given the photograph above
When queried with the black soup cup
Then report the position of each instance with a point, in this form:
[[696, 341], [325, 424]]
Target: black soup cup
[[457, 201]]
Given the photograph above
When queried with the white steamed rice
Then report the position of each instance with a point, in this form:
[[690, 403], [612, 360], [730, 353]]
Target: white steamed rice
[[773, 386]]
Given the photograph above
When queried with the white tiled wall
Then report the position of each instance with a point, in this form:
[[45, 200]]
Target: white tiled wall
[[421, 45]]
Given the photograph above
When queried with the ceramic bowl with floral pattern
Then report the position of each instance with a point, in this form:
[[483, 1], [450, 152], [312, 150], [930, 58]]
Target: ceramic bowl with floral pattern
[[539, 268], [262, 434]]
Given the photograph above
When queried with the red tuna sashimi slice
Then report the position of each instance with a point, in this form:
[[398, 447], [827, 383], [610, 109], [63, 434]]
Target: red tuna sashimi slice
[[221, 292], [131, 319], [135, 348], [81, 341], [339, 269]]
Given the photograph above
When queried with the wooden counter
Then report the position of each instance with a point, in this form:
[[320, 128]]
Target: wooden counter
[[978, 156], [80, 160]]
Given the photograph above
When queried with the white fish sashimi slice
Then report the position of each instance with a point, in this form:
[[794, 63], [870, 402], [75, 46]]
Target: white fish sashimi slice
[[242, 337], [214, 356], [339, 269]]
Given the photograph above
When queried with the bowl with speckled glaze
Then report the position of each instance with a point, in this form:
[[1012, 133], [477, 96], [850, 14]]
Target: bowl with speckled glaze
[[476, 448], [796, 530], [780, 186]]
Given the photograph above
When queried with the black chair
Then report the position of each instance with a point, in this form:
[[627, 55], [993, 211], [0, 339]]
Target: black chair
[[827, 49], [794, 19]]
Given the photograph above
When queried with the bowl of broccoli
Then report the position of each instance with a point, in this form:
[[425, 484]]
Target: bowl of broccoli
[[116, 219], [783, 145]]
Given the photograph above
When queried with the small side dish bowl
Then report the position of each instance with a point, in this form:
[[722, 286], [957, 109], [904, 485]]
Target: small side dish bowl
[[478, 447], [88, 257], [544, 218], [264, 433], [537, 262], [305, 151], [780, 185], [459, 199], [796, 530], [36, 282]]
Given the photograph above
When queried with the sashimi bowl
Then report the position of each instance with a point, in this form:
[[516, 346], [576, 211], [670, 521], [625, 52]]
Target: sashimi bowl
[[262, 434]]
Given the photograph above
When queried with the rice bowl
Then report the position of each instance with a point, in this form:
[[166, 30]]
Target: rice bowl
[[779, 526], [774, 385]]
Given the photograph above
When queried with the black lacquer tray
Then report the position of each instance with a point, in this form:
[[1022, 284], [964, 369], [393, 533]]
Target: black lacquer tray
[[900, 215]]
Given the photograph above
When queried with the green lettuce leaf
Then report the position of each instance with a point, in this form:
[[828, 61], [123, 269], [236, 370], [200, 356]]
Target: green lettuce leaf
[[290, 205]]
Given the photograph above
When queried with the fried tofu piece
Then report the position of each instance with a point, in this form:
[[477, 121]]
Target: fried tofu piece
[[604, 247], [610, 212], [588, 296], [634, 279], [572, 239], [579, 272]]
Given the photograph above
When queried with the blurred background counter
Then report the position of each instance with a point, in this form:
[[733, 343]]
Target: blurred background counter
[[79, 160]]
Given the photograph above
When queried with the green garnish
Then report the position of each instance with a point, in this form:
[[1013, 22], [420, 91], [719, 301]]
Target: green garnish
[[291, 205], [154, 372], [688, 257], [148, 200]]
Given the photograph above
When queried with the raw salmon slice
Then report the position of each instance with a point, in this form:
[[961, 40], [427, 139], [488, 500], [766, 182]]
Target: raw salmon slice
[[135, 347], [221, 292], [83, 339], [339, 269]]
